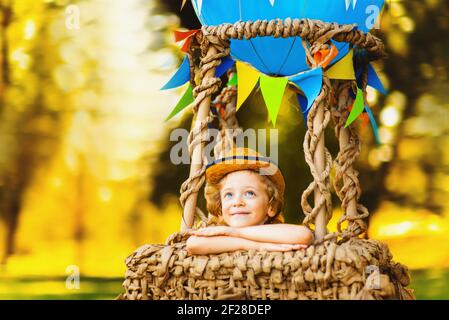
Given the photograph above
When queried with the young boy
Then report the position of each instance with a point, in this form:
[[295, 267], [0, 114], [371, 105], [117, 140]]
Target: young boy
[[246, 204]]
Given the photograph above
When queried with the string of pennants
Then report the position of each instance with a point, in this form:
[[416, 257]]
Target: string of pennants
[[306, 85]]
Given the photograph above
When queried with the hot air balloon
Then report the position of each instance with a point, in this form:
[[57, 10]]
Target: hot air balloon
[[266, 59]]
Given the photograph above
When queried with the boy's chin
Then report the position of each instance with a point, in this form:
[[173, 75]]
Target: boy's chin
[[241, 223]]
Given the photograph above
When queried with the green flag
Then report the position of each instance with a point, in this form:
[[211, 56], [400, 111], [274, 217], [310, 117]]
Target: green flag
[[357, 108], [233, 80], [273, 91], [186, 99]]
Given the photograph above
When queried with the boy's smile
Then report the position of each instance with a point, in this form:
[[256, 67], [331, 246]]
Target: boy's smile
[[244, 199]]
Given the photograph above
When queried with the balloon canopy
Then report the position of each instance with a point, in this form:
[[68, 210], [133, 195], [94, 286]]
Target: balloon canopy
[[285, 56]]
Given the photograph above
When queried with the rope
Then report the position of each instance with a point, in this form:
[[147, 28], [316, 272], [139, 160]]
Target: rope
[[346, 182], [321, 180], [225, 104], [308, 29], [207, 87]]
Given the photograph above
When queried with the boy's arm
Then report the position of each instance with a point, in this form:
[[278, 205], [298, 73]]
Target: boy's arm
[[272, 233], [277, 233], [220, 244]]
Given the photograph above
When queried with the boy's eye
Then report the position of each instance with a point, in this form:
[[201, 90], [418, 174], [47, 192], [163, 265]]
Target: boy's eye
[[227, 195], [250, 194]]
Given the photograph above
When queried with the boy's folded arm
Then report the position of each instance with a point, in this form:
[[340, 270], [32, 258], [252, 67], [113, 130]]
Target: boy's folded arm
[[219, 244], [277, 233]]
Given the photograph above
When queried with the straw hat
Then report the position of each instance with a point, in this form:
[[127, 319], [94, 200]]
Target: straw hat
[[245, 159]]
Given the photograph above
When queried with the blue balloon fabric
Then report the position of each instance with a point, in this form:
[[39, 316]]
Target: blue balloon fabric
[[284, 56]]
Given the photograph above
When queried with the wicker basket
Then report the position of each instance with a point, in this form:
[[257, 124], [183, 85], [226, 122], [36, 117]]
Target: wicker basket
[[357, 269]]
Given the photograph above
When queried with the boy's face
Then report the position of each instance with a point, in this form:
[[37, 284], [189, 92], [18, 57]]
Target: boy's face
[[244, 199]]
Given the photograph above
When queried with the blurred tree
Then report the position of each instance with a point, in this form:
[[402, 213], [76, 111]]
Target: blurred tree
[[414, 115], [28, 125]]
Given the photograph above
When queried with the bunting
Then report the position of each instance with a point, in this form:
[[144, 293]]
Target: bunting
[[247, 78], [310, 83], [325, 56], [373, 79], [181, 76], [357, 108], [184, 102], [373, 124], [343, 69], [233, 81], [273, 88], [273, 91]]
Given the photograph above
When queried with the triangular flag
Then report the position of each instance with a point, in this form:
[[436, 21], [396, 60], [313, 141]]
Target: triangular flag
[[310, 82], [247, 78], [226, 63], [343, 69], [357, 108], [272, 91], [185, 100], [373, 124], [187, 36], [325, 56], [181, 35], [233, 80], [186, 46], [272, 2], [183, 4], [181, 76], [374, 81]]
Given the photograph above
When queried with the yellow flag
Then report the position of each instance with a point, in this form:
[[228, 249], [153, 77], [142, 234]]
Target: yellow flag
[[247, 78], [343, 69], [183, 4]]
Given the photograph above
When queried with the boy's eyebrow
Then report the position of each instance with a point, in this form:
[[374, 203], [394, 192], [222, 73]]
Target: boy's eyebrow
[[246, 187]]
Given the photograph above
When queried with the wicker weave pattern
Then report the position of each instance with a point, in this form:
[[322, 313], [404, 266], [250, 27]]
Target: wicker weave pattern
[[326, 271]]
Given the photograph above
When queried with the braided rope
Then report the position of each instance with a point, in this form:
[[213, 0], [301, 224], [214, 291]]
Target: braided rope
[[207, 87], [313, 136], [346, 182], [321, 180], [308, 29], [225, 104]]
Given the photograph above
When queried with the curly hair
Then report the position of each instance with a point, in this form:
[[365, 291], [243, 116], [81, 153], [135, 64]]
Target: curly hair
[[213, 201]]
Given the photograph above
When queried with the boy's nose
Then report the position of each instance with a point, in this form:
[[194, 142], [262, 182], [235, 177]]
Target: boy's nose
[[239, 201]]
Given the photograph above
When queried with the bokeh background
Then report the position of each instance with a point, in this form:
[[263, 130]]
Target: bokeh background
[[85, 176]]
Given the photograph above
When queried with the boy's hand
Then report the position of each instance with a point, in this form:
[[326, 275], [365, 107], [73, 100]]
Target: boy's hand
[[215, 231], [281, 246]]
